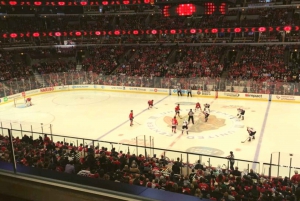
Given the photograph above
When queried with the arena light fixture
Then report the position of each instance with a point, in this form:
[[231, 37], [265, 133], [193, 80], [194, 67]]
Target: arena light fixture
[[57, 34], [126, 2], [104, 3], [78, 33], [117, 32], [173, 31], [236, 30], [287, 28], [214, 30], [12, 3], [37, 3], [13, 35], [262, 29], [61, 3], [83, 3], [153, 31], [193, 31]]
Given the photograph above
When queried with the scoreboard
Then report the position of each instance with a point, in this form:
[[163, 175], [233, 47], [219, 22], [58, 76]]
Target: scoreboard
[[188, 9]]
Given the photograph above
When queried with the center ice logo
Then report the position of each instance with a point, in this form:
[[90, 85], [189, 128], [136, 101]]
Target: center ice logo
[[219, 125], [199, 125]]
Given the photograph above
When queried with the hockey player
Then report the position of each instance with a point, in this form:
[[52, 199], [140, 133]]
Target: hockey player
[[177, 110], [251, 132], [174, 124], [198, 106], [150, 104], [28, 102], [185, 126], [241, 113], [131, 117], [206, 113], [206, 105]]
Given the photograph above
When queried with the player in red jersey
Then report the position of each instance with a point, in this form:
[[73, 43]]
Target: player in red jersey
[[150, 104], [131, 117], [174, 124], [28, 102], [177, 110], [198, 106]]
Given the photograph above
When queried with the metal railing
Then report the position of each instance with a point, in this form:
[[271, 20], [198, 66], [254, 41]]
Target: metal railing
[[137, 146]]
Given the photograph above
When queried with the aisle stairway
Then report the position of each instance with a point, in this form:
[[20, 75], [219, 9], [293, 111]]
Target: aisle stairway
[[39, 78]]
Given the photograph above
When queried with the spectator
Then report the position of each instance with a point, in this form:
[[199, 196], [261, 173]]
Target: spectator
[[85, 172], [231, 160], [236, 172], [70, 168]]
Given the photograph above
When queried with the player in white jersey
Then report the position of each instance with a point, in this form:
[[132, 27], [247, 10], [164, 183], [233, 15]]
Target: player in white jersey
[[185, 126], [206, 105], [251, 132], [241, 113], [206, 113]]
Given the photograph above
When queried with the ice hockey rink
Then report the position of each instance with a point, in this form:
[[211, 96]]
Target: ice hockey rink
[[104, 116]]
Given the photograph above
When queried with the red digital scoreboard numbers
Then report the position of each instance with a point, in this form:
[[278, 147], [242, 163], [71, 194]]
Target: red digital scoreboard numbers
[[208, 8]]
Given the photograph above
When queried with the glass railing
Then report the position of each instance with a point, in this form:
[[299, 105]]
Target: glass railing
[[199, 83]]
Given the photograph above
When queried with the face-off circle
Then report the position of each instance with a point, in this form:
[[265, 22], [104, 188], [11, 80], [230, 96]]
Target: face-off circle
[[219, 124]]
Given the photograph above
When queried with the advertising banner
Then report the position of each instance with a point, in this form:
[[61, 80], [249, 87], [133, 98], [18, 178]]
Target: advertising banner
[[286, 98]]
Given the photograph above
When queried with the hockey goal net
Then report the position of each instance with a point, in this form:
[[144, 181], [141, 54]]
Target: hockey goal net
[[21, 101]]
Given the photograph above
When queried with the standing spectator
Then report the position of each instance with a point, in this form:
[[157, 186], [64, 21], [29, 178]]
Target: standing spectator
[[231, 160], [295, 179], [236, 172], [198, 166], [176, 167]]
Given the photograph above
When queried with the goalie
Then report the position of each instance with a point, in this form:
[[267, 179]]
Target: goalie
[[28, 102]]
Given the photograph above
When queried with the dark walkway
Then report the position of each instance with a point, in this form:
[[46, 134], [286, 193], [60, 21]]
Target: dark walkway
[[10, 198]]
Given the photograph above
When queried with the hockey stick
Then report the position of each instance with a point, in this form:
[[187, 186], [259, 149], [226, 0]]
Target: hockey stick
[[245, 140]]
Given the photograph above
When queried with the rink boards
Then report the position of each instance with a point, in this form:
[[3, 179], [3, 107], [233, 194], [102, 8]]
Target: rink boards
[[128, 89]]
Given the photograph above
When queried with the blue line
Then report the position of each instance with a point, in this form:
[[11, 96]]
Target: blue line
[[261, 136], [105, 134]]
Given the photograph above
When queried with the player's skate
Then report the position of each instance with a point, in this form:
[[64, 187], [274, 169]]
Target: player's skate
[[242, 117], [253, 137], [249, 139]]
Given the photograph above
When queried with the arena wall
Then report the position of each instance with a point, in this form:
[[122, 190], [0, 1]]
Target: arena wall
[[128, 89]]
